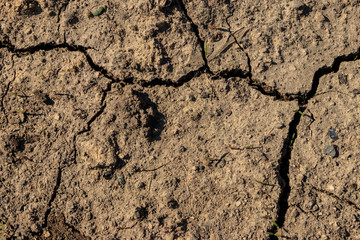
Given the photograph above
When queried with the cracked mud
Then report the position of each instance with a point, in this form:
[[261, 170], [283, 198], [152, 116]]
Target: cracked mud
[[172, 119]]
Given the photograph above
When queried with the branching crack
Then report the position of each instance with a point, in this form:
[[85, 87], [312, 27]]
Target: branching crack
[[263, 88], [197, 34], [284, 160], [259, 86], [283, 168]]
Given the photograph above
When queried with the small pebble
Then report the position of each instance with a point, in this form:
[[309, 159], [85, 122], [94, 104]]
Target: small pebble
[[182, 149], [46, 234], [192, 98], [331, 150], [107, 175], [332, 134], [356, 92], [141, 185]]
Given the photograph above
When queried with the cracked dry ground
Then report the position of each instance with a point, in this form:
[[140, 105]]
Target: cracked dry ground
[[179, 119]]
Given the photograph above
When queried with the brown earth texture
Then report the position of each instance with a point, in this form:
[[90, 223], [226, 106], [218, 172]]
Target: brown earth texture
[[179, 119]]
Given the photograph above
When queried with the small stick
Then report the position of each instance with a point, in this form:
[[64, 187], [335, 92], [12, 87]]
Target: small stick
[[246, 147]]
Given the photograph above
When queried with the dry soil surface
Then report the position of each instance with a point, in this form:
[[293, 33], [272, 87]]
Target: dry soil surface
[[179, 119]]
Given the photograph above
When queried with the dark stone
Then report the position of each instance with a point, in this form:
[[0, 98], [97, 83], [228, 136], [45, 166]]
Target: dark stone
[[332, 134], [182, 149], [192, 98], [141, 185], [108, 175], [356, 92], [331, 150]]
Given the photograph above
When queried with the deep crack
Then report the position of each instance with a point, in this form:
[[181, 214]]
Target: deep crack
[[52, 198], [180, 82], [284, 161], [261, 87], [326, 70], [283, 171]]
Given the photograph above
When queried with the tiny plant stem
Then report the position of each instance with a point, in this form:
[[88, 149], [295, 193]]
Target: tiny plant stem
[[99, 11], [206, 47], [275, 232], [292, 140]]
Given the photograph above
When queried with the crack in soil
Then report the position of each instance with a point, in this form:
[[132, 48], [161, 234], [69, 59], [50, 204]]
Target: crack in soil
[[180, 82], [302, 99], [6, 92], [197, 34], [53, 196], [283, 172], [326, 70], [284, 161], [259, 86], [3, 98], [285, 158], [62, 8], [351, 203]]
